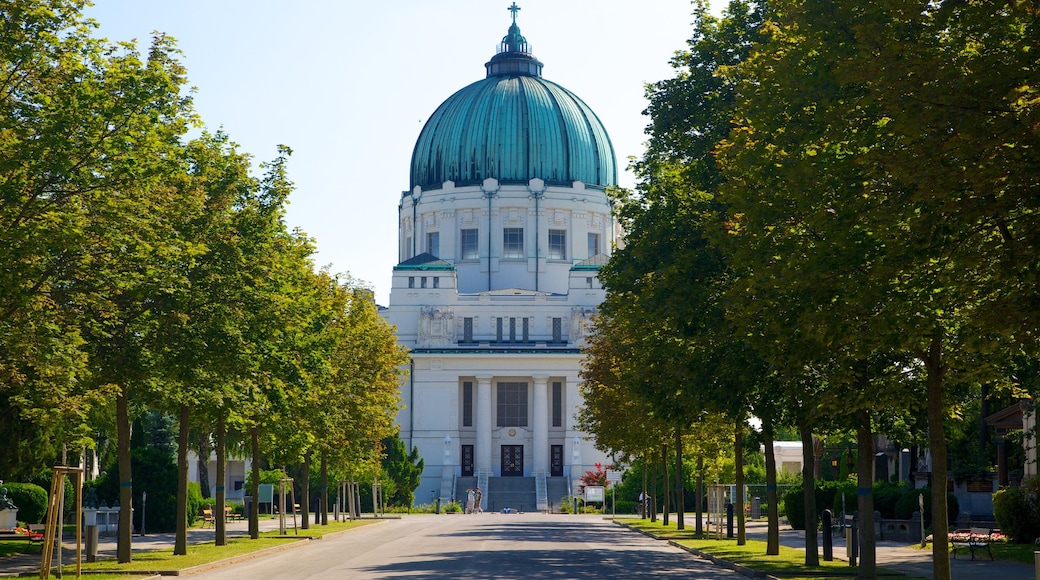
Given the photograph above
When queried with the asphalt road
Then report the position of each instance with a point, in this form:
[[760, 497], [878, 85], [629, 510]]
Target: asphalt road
[[485, 545]]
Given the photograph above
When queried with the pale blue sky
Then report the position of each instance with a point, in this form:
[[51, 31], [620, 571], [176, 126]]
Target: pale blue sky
[[348, 85]]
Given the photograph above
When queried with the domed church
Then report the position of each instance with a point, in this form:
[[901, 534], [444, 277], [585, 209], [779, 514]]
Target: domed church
[[501, 235]]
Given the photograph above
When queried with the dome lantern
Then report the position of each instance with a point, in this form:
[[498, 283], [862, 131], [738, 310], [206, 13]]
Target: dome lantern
[[514, 54]]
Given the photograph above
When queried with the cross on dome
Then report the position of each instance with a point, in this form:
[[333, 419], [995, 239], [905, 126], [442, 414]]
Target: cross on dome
[[514, 9]]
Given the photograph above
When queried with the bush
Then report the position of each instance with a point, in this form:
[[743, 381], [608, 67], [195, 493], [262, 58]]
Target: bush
[[31, 500], [195, 502], [893, 501], [1017, 510]]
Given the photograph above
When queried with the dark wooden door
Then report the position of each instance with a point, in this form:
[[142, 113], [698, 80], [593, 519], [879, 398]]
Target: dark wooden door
[[512, 460], [556, 461], [467, 461]]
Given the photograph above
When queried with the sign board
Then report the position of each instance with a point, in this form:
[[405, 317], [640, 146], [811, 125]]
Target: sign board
[[266, 493], [594, 493], [613, 476]]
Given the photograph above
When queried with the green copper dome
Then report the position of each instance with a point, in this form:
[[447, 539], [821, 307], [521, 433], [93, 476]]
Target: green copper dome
[[514, 126]]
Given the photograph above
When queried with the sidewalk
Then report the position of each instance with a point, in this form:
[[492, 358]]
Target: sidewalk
[[899, 557], [30, 563]]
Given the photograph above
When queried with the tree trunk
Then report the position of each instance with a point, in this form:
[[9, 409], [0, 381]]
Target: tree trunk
[[324, 489], [203, 465], [773, 533], [680, 496], [936, 368], [812, 554], [126, 489], [738, 460], [865, 493], [642, 507], [220, 522], [305, 492], [180, 541], [254, 485], [700, 495], [666, 506], [653, 490]]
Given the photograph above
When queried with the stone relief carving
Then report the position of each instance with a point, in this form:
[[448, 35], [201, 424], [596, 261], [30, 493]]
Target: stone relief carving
[[581, 319], [436, 327]]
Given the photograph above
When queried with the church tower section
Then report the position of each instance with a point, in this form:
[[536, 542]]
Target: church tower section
[[501, 234]]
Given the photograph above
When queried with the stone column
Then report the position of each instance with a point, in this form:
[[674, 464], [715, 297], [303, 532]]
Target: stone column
[[483, 416], [540, 425]]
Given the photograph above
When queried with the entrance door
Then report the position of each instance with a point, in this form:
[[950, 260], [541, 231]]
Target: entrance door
[[467, 461], [512, 460], [556, 461]]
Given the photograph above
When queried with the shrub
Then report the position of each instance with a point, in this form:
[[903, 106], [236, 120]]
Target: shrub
[[1017, 510], [31, 500], [195, 502]]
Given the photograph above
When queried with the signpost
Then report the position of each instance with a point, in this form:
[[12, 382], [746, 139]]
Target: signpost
[[613, 478]]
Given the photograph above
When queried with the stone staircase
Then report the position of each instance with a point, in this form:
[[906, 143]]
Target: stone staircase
[[515, 493], [556, 488]]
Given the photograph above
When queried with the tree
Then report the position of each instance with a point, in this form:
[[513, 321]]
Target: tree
[[403, 468]]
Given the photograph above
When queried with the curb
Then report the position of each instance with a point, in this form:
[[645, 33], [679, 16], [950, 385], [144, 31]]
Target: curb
[[742, 570]]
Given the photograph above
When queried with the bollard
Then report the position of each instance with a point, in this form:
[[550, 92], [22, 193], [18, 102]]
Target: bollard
[[575, 505], [729, 520], [438, 507], [92, 543], [852, 539], [828, 537]]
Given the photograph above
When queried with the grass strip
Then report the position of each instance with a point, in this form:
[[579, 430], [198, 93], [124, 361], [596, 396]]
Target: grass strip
[[789, 563], [208, 553]]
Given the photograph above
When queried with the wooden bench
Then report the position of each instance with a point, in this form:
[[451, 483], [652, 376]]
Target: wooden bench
[[35, 535], [978, 540], [207, 517]]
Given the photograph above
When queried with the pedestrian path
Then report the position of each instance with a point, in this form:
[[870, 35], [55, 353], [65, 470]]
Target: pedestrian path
[[900, 557]]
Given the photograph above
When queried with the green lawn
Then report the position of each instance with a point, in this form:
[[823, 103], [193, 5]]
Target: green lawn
[[198, 554], [790, 563]]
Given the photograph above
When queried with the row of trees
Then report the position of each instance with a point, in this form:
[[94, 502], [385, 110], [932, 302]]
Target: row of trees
[[836, 227], [143, 269]]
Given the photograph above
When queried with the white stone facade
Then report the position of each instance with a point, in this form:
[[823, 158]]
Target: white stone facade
[[496, 286]]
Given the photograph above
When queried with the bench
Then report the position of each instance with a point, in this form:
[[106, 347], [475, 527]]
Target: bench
[[33, 536], [977, 539], [207, 517]]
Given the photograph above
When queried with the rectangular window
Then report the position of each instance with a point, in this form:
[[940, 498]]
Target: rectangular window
[[557, 331], [498, 329], [512, 404], [467, 330], [433, 243], [468, 238], [594, 248], [557, 404], [512, 330], [411, 281], [436, 282], [422, 282], [557, 245], [527, 329], [467, 404], [408, 248], [513, 243]]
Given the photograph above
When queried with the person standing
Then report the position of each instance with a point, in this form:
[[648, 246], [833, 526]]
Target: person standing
[[478, 497], [470, 499]]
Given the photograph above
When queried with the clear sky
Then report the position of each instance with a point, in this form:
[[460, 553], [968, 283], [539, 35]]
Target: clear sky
[[348, 86]]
